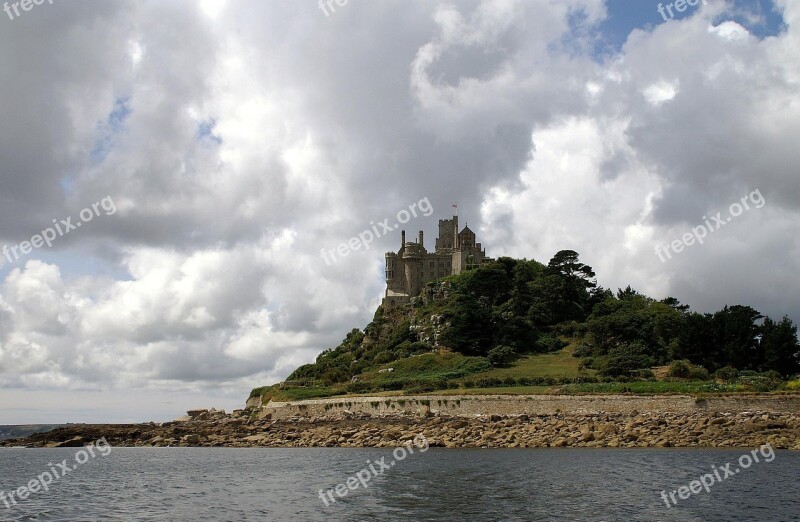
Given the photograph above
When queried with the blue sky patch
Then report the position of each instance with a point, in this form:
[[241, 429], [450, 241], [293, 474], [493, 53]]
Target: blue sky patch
[[114, 124], [760, 17]]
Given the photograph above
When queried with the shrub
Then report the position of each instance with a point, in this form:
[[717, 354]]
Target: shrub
[[582, 350], [501, 355], [679, 369], [550, 343], [488, 382], [760, 382], [698, 373], [421, 388], [569, 328], [359, 387], [727, 374], [684, 369], [384, 357], [624, 359], [646, 373], [335, 375], [419, 347]]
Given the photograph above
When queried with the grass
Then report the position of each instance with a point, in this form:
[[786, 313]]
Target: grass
[[300, 394], [647, 387], [454, 367], [508, 390], [427, 367], [556, 364]]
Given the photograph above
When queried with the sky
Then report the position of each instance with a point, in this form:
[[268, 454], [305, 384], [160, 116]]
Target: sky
[[189, 162]]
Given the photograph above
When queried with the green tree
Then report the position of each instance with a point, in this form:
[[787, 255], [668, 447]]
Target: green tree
[[522, 294], [494, 282], [572, 294], [697, 341], [779, 346], [634, 318], [470, 330], [674, 303], [736, 332]]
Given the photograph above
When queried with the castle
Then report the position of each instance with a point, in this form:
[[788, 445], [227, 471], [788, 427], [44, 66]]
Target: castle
[[411, 267]]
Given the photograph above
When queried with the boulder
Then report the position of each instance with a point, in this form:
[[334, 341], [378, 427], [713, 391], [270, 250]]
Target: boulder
[[74, 442]]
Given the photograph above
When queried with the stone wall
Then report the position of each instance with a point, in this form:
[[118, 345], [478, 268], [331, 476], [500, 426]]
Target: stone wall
[[476, 405]]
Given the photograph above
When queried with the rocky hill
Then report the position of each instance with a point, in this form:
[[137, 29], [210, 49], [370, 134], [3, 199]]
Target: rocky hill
[[520, 324]]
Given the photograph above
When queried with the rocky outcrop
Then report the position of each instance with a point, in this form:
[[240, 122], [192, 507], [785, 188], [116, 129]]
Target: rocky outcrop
[[599, 430]]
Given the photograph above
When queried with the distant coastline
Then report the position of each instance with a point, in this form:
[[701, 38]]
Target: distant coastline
[[15, 431]]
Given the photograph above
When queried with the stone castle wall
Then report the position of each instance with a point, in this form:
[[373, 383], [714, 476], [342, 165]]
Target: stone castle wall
[[477, 405]]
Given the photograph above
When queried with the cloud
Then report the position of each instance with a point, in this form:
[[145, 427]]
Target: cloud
[[240, 139]]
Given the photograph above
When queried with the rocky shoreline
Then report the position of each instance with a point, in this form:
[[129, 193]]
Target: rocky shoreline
[[243, 428]]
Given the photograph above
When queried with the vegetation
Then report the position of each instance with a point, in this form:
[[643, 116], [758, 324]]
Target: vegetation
[[520, 324]]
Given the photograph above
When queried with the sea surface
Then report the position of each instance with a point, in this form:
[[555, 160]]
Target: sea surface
[[200, 484]]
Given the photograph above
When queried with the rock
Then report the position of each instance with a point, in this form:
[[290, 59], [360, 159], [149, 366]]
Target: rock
[[253, 428], [75, 442]]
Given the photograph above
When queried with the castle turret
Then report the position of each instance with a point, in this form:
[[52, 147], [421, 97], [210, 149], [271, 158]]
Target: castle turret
[[412, 259], [420, 239]]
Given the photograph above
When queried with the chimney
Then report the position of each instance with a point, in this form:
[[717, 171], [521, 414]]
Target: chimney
[[420, 238], [403, 238]]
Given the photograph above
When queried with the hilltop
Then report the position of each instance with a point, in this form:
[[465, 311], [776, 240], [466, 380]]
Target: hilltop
[[520, 326]]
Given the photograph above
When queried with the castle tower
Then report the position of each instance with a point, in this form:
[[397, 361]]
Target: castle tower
[[412, 267], [412, 259]]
